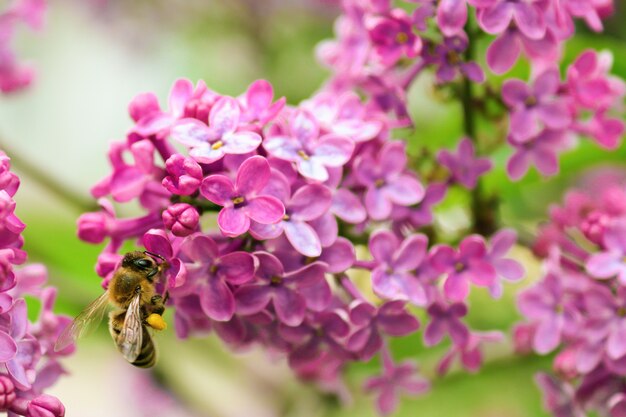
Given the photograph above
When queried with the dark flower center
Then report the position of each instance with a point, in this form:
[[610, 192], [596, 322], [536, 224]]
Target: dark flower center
[[621, 311], [276, 280], [530, 101], [239, 201], [379, 183], [453, 58], [402, 37], [459, 267]]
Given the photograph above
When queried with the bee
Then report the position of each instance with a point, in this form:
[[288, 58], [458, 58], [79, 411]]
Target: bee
[[139, 306]]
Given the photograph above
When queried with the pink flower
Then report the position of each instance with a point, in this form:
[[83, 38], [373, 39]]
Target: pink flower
[[392, 278], [307, 204], [241, 201], [469, 264], [537, 106], [395, 379], [257, 104], [495, 16], [221, 137], [290, 293], [464, 166], [386, 180], [392, 37], [446, 318], [312, 154], [372, 322], [506, 49]]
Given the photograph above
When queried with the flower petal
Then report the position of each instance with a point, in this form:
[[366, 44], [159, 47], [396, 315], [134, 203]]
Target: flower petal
[[252, 175], [503, 52], [333, 151], [217, 300], [310, 202], [241, 142], [265, 209], [236, 267], [224, 116], [190, 132], [303, 238], [289, 305], [218, 189], [252, 298], [233, 222]]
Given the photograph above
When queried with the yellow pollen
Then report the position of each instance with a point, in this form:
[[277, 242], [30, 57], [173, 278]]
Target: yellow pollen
[[217, 145], [530, 101], [286, 217], [238, 200], [156, 322], [402, 37], [453, 58], [276, 280], [303, 155], [379, 182]]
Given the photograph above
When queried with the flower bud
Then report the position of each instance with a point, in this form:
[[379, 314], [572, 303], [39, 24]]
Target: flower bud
[[7, 392], [45, 406], [182, 219], [184, 175], [92, 227], [142, 105]]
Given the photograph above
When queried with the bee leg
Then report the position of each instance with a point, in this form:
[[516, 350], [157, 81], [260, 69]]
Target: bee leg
[[157, 305]]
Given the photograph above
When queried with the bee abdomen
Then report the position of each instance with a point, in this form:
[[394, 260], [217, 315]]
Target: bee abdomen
[[147, 355]]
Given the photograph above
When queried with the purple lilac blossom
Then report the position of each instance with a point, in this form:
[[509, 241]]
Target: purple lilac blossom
[[225, 279], [16, 75], [29, 363], [464, 166], [578, 312], [327, 173]]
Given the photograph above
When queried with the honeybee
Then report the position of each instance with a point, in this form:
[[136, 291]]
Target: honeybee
[[132, 291]]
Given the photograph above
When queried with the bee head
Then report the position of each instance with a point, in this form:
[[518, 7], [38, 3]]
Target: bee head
[[138, 261]]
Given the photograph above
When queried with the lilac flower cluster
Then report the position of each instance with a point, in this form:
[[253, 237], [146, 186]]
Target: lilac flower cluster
[[29, 363], [260, 207], [548, 115], [577, 308], [15, 75], [380, 50], [256, 206]]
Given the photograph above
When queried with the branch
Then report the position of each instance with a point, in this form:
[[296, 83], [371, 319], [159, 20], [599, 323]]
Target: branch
[[47, 181]]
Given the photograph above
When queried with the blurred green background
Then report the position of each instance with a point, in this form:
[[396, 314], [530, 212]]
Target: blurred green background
[[94, 56]]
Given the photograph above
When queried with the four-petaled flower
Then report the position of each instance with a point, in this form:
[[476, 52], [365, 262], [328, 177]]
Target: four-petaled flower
[[241, 201], [464, 166], [312, 154], [392, 278], [469, 264], [386, 181], [394, 380], [222, 136], [290, 293]]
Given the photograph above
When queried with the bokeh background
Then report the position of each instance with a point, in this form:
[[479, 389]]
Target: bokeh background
[[95, 55]]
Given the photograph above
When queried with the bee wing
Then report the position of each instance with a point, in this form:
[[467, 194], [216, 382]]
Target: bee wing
[[131, 337], [83, 323]]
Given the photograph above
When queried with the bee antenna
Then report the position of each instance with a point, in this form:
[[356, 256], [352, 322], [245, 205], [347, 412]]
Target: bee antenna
[[154, 255]]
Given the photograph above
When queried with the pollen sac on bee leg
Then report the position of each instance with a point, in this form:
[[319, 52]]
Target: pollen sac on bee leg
[[156, 322]]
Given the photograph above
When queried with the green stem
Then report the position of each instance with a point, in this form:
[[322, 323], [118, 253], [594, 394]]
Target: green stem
[[47, 181], [484, 208]]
